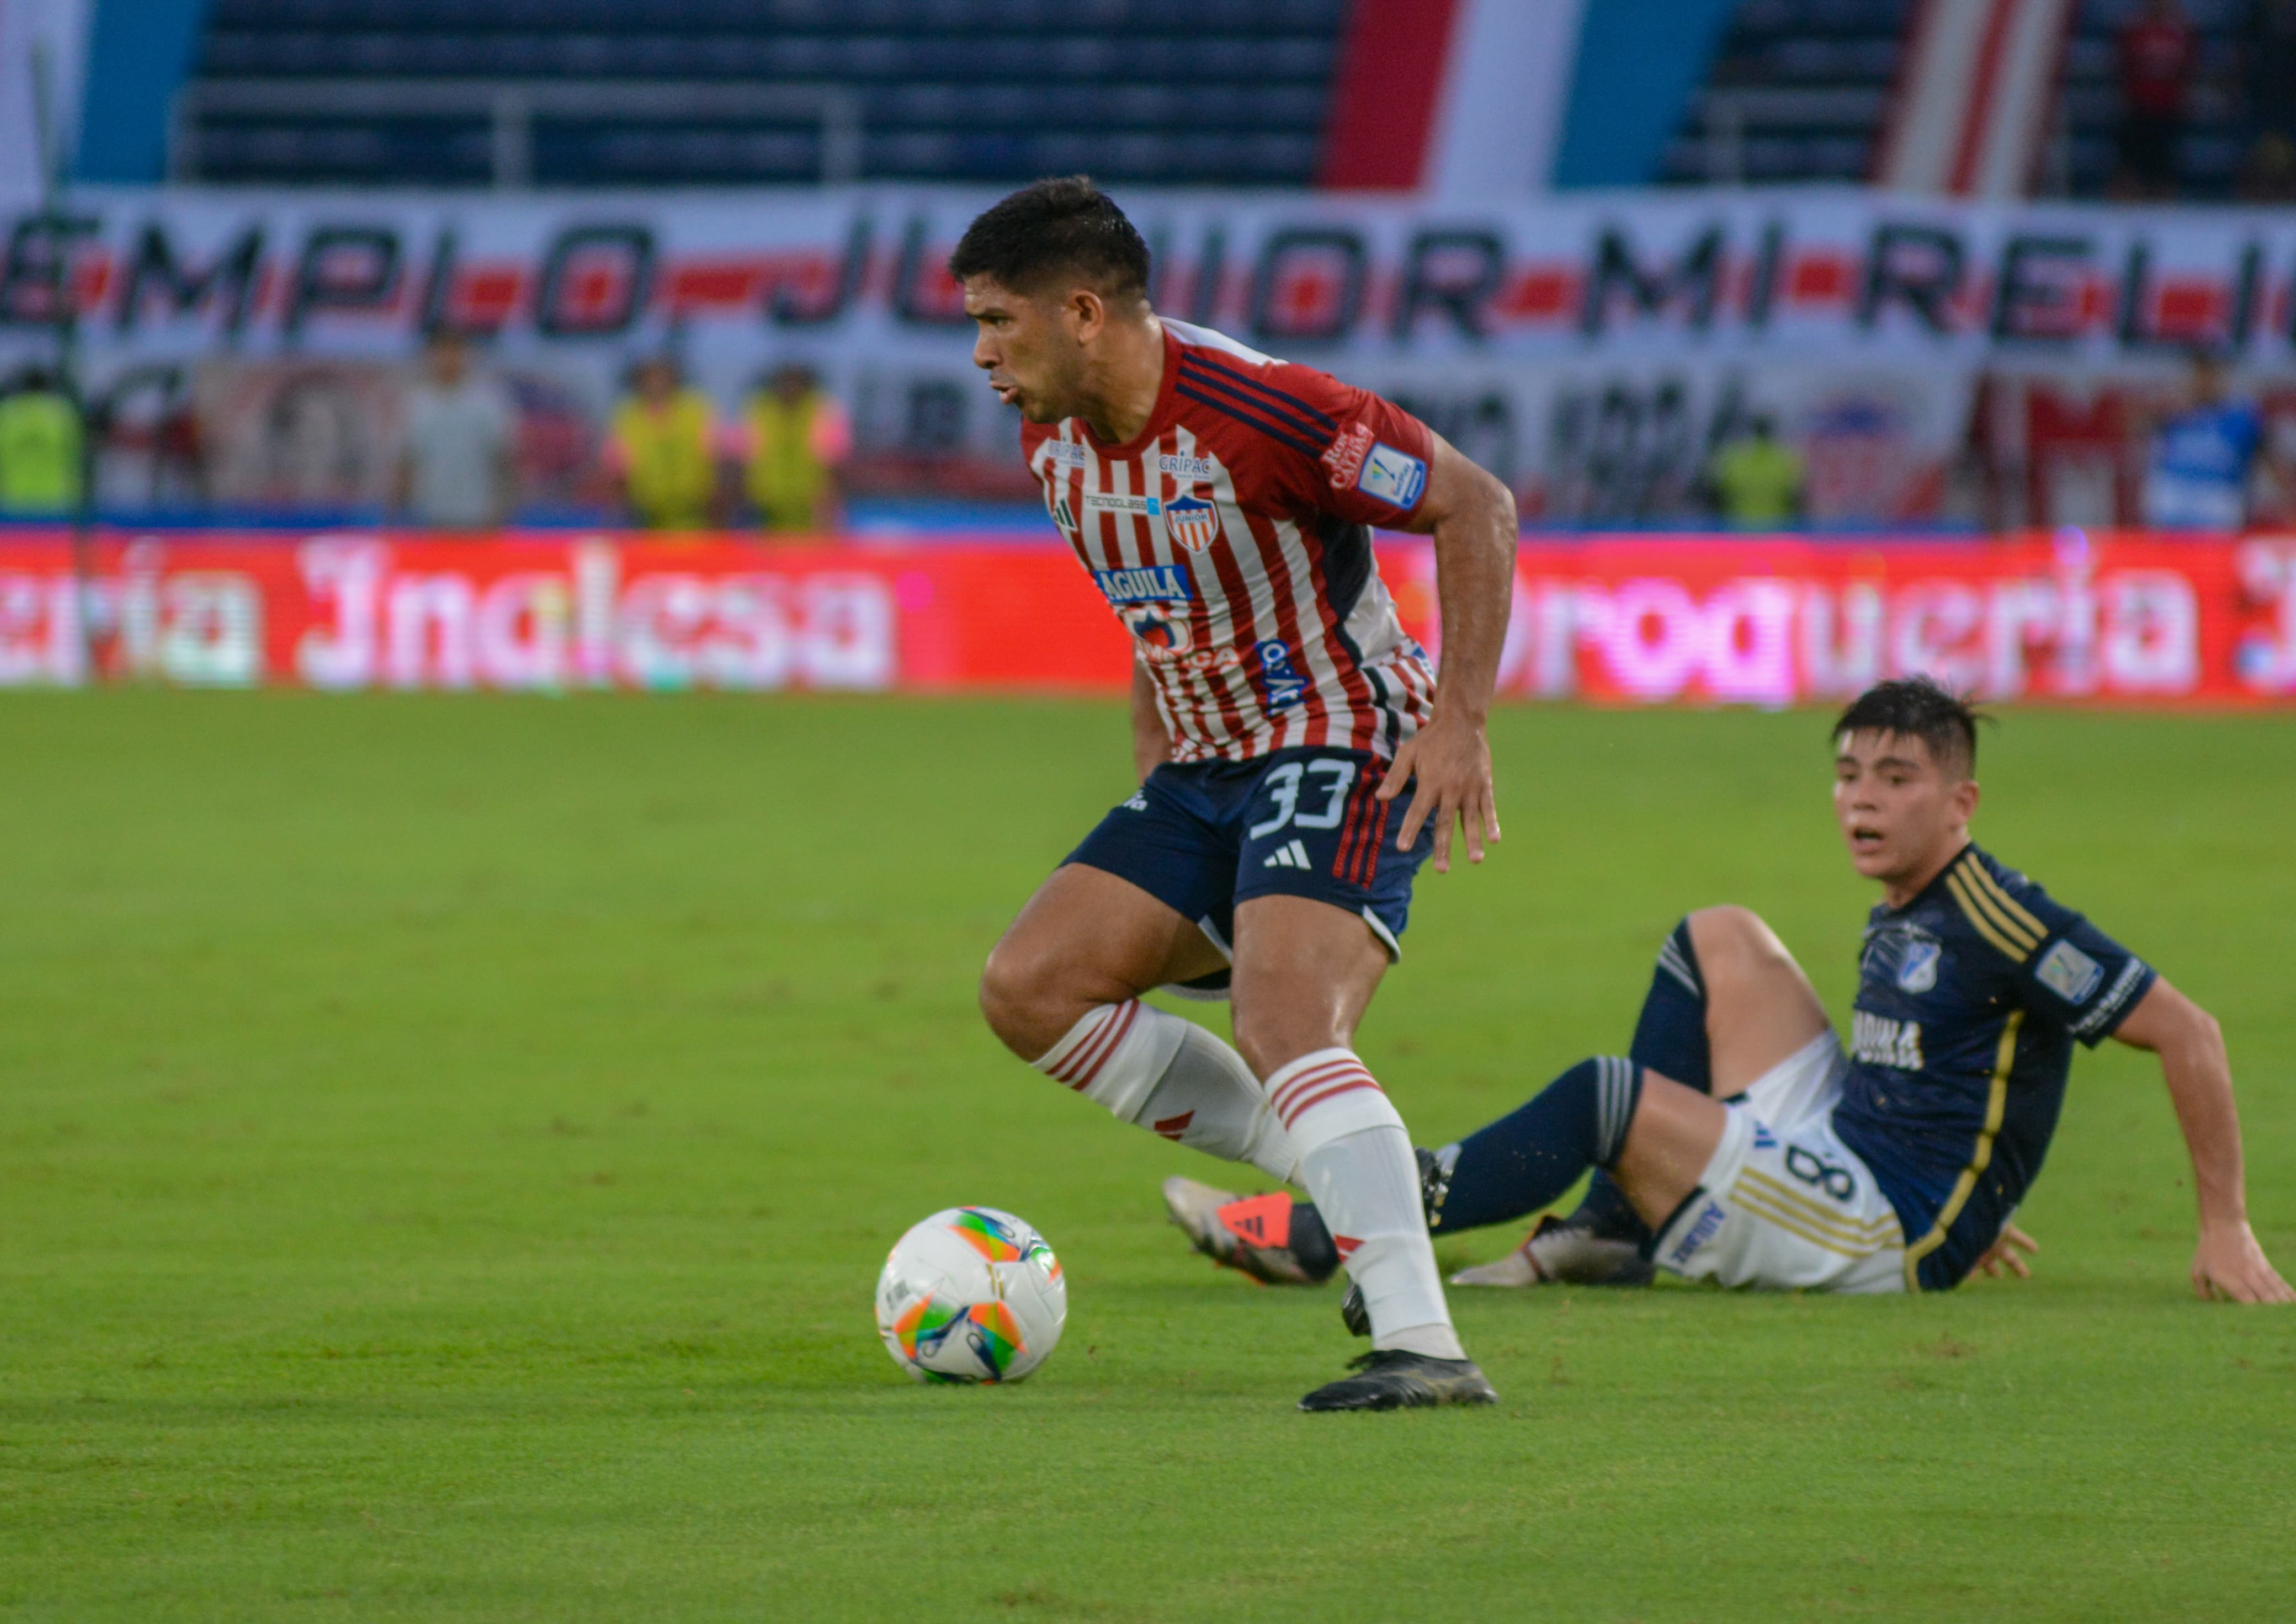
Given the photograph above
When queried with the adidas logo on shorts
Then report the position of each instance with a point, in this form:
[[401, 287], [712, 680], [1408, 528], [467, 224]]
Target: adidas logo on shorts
[[1293, 854]]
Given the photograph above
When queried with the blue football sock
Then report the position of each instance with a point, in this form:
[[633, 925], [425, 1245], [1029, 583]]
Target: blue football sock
[[1670, 1039], [1670, 1033], [1527, 1159]]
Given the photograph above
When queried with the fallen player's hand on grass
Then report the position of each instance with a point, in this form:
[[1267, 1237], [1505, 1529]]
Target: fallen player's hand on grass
[[2002, 1255], [2229, 1263], [1452, 761]]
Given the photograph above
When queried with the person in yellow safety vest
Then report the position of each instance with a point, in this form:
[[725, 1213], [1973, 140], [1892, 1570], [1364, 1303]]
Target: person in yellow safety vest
[[662, 447], [792, 441], [1758, 479], [42, 443]]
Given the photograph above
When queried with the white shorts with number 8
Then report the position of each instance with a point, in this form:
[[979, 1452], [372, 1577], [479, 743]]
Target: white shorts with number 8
[[1783, 1202]]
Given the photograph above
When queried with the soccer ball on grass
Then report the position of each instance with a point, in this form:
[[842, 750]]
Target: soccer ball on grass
[[970, 1295]]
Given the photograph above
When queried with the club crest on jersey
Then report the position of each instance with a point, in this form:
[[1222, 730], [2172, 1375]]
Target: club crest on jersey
[[1917, 971], [1285, 686], [1150, 584], [1163, 627], [1192, 521]]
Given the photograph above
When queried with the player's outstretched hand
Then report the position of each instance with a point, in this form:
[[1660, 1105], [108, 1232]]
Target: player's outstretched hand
[[2001, 1257], [1452, 761], [2229, 1263]]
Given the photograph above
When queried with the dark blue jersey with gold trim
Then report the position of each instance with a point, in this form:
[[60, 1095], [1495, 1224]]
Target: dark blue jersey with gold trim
[[1969, 999]]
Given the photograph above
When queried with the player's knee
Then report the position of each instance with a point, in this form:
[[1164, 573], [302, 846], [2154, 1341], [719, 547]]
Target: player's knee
[[1021, 999], [1730, 938], [1271, 1039]]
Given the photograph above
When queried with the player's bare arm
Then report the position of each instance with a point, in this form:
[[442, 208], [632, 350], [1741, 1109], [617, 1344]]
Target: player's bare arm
[[2229, 1262], [1471, 516]]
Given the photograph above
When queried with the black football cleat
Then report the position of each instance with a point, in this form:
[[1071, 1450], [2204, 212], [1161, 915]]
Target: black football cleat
[[1353, 1313], [1395, 1379]]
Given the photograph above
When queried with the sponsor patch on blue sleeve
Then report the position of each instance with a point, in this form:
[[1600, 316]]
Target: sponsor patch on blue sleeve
[[2069, 972], [1394, 477]]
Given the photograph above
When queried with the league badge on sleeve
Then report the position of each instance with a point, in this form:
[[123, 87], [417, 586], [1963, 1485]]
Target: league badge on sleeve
[[1392, 476], [2069, 972], [1191, 523]]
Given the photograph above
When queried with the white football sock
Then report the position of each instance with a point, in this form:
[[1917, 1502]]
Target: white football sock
[[1175, 1079], [1356, 1160]]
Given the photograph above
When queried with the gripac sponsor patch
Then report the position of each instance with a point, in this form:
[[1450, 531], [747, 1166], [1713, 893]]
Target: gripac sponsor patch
[[1394, 477], [2069, 972], [1150, 584], [1183, 467]]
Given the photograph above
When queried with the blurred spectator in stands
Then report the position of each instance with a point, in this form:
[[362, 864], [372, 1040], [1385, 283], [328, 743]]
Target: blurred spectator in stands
[[2156, 50], [43, 447], [2198, 466], [455, 469], [2268, 175], [2269, 64], [662, 450], [1757, 479], [790, 443]]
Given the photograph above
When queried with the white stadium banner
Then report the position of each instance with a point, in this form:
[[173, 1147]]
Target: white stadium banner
[[1575, 342]]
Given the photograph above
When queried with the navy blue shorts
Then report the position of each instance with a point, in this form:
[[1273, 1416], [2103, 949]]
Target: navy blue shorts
[[1202, 836]]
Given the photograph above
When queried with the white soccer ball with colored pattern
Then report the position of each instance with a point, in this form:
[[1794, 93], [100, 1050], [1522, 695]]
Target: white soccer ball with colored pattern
[[970, 1295]]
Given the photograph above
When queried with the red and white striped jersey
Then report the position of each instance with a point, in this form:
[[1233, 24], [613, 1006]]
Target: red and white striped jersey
[[1233, 538]]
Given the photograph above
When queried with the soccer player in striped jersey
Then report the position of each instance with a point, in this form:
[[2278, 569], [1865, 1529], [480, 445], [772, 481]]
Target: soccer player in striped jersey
[[1896, 1165], [1298, 754]]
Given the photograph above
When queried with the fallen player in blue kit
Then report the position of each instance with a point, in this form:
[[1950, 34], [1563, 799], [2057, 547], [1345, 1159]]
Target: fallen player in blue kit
[[1740, 1142]]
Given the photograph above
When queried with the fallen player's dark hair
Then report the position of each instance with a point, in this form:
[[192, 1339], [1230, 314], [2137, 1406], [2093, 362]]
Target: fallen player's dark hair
[[1918, 708], [1056, 231]]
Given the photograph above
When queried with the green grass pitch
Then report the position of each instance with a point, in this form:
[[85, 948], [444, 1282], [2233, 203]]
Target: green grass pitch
[[450, 1143]]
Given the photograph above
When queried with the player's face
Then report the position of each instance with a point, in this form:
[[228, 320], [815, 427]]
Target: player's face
[[1901, 815], [1026, 348]]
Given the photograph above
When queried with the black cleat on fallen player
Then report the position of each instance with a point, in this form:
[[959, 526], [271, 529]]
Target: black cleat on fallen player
[[1394, 1380]]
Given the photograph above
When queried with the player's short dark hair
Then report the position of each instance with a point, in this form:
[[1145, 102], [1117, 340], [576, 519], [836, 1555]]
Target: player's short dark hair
[[1918, 708], [1055, 229]]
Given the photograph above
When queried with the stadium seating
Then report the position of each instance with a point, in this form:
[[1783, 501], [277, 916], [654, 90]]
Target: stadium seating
[[1188, 92], [1799, 92], [2209, 158]]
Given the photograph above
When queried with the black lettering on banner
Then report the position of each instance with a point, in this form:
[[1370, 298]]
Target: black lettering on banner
[[153, 266], [1770, 260], [1697, 276], [437, 315], [1918, 267], [785, 308], [35, 283], [937, 413], [2136, 328], [343, 267], [2030, 308], [2245, 287], [1271, 322], [910, 302], [555, 317], [1454, 272]]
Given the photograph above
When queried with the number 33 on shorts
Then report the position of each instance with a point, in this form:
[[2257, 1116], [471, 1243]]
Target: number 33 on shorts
[[1331, 775]]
